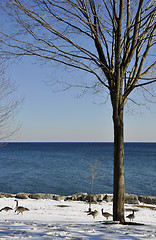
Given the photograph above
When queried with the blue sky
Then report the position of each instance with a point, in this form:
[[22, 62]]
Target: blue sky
[[51, 116], [47, 115]]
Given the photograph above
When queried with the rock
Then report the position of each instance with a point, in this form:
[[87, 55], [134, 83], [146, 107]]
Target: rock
[[78, 197], [100, 197], [86, 197], [93, 198], [131, 198], [41, 196], [82, 197], [2, 195], [22, 195], [96, 197], [108, 197], [59, 198], [147, 199], [68, 198], [7, 195]]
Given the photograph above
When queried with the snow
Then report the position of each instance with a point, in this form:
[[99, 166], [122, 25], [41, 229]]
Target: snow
[[50, 219]]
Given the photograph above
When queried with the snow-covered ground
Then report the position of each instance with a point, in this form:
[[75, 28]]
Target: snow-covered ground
[[50, 219]]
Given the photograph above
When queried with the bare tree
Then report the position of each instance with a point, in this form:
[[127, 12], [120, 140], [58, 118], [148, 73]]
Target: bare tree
[[94, 174], [9, 105], [113, 40]]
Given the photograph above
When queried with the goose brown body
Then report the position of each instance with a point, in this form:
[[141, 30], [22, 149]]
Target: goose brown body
[[20, 209], [93, 213], [6, 209], [106, 214], [131, 216]]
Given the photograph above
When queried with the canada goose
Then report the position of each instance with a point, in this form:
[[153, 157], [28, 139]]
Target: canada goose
[[131, 216], [93, 213], [20, 209], [6, 209], [106, 214]]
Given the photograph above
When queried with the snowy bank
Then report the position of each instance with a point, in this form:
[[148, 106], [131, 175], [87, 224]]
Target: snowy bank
[[50, 219]]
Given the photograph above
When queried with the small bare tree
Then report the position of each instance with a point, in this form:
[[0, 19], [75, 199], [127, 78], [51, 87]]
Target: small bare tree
[[94, 175], [113, 40], [9, 105]]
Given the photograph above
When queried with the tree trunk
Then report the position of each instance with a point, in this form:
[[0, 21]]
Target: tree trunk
[[90, 197], [119, 186]]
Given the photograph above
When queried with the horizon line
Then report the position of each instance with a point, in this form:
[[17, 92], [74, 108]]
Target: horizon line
[[77, 142]]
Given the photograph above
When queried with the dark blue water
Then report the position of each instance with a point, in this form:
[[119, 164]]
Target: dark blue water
[[64, 168]]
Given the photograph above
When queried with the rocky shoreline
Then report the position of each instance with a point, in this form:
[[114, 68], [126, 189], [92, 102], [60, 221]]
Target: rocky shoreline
[[95, 198]]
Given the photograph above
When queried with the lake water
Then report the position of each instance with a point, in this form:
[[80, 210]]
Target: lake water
[[64, 168]]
